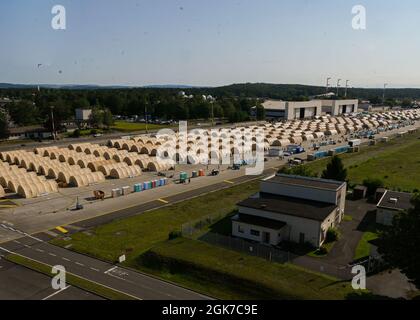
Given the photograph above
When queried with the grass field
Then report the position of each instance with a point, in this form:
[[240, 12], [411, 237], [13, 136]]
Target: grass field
[[396, 163], [363, 247], [138, 234], [125, 126], [227, 274]]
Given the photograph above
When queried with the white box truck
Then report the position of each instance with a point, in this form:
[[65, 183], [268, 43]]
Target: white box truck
[[355, 143]]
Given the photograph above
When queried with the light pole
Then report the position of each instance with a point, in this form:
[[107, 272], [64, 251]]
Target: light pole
[[52, 122], [146, 117], [347, 85], [212, 113], [338, 85], [328, 85], [383, 95]]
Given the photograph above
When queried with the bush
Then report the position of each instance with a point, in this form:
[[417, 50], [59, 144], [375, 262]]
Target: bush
[[93, 131], [76, 133], [174, 234], [332, 235], [322, 251], [372, 185]]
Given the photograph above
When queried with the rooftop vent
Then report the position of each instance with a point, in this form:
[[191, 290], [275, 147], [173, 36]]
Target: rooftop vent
[[393, 200]]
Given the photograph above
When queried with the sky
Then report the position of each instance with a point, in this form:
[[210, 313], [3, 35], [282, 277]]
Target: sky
[[210, 42]]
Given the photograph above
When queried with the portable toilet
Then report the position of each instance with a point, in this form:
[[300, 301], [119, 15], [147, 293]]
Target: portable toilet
[[126, 190]]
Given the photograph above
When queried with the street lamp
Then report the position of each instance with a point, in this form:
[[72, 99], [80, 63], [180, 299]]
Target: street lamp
[[347, 85], [383, 95], [338, 85], [146, 117], [328, 85], [52, 121]]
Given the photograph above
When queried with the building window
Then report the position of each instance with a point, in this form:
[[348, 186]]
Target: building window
[[255, 233], [240, 229]]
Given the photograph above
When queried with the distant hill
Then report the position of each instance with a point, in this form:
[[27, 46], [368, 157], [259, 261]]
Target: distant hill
[[251, 90], [297, 91], [92, 86]]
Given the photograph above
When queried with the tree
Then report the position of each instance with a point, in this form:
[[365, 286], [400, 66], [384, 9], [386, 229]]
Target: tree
[[372, 185], [96, 118], [400, 244], [335, 170], [24, 113], [260, 112], [108, 119], [4, 125]]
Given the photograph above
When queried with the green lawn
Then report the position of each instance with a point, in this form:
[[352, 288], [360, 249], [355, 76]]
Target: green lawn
[[137, 234], [134, 126], [363, 247], [227, 274], [396, 163]]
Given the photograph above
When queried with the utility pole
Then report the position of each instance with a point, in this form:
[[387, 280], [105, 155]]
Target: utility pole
[[328, 85], [212, 113], [146, 117], [52, 122], [383, 95], [338, 85], [347, 85]]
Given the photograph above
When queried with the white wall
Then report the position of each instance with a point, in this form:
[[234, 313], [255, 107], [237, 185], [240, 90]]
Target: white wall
[[297, 225], [293, 109], [275, 236], [295, 191]]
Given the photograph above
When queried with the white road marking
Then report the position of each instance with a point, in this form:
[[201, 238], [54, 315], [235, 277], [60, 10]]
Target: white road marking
[[80, 264], [5, 250], [52, 254], [113, 268], [16, 241], [65, 259], [40, 250], [57, 292], [94, 269]]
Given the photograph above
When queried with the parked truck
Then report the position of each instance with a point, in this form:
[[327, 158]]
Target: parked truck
[[355, 143]]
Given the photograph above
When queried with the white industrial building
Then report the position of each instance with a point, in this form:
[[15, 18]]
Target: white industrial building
[[339, 107], [291, 208], [391, 204], [83, 114], [298, 110]]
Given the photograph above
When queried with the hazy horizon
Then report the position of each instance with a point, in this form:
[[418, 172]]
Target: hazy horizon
[[210, 43]]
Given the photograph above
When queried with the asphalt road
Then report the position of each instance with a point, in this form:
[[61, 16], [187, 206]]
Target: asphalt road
[[20, 283], [132, 283]]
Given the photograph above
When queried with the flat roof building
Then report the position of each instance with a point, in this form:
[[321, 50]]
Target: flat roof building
[[295, 110], [391, 204], [291, 208], [83, 114]]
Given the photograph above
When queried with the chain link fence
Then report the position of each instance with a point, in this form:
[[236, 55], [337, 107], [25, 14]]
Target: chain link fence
[[250, 248]]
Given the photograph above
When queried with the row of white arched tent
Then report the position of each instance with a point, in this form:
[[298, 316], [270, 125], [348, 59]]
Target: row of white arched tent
[[129, 153], [290, 132], [26, 184]]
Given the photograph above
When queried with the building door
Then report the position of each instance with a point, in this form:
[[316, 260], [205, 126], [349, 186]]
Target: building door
[[266, 237], [301, 238], [302, 113]]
